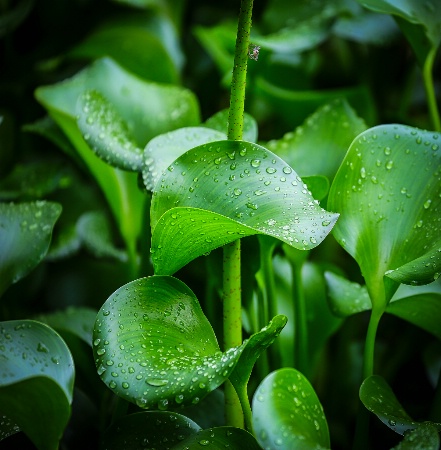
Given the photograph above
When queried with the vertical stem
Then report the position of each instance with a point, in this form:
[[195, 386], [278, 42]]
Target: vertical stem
[[430, 90], [231, 263], [232, 324]]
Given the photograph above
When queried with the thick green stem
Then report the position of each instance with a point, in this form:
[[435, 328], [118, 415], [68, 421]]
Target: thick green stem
[[430, 90], [231, 264], [232, 324]]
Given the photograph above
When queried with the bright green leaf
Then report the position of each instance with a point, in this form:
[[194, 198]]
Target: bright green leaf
[[219, 439], [106, 133], [424, 437], [162, 150], [219, 121], [217, 192], [37, 376], [389, 215], [160, 429], [318, 185], [94, 230], [288, 414], [378, 397], [318, 146], [25, 235]]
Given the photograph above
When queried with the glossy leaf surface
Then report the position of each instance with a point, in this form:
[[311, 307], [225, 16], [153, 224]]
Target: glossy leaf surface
[[318, 146], [386, 220], [148, 430], [25, 235], [37, 376], [162, 150], [106, 133], [288, 414], [217, 192]]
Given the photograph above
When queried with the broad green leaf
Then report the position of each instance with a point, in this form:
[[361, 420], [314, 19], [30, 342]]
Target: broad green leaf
[[75, 320], [127, 44], [424, 437], [25, 235], [423, 310], [154, 347], [346, 297], [218, 192], [389, 216], [378, 397], [425, 13], [288, 414], [157, 429], [219, 121], [66, 243], [7, 427], [37, 377], [219, 438], [34, 180], [148, 109], [318, 185], [106, 133], [162, 150], [318, 146], [94, 230]]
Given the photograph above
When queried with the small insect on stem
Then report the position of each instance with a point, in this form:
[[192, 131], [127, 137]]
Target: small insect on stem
[[253, 51]]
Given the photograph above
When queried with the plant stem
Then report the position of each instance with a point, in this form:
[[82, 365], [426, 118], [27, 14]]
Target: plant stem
[[231, 263], [232, 324], [430, 91]]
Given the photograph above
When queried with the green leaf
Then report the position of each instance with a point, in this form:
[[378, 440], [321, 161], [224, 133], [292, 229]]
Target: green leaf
[[37, 377], [219, 439], [219, 121], [424, 437], [157, 429], [378, 397], [424, 13], [106, 133], [25, 235], [154, 347], [346, 297], [7, 427], [94, 230], [389, 216], [162, 150], [318, 185], [318, 146], [288, 414], [218, 192], [423, 310], [126, 45]]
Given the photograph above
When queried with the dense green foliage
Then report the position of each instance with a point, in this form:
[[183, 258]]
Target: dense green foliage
[[175, 274]]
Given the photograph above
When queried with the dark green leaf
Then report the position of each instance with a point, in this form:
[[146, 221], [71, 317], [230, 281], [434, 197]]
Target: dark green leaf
[[288, 414], [25, 235], [10, 19], [318, 146], [218, 192], [7, 427], [106, 133], [424, 437], [148, 431], [162, 150], [389, 216], [37, 376], [219, 439]]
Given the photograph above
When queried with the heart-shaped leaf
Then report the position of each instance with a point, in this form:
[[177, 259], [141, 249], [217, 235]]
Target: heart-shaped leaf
[[36, 380], [288, 414], [219, 438], [154, 346], [332, 128], [424, 437], [162, 150], [148, 430], [386, 221], [219, 121], [25, 235], [218, 192], [106, 133]]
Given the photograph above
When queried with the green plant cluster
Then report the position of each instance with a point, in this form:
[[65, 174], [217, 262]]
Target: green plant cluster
[[220, 227]]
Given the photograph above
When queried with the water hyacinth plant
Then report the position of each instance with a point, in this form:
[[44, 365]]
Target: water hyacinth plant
[[238, 245]]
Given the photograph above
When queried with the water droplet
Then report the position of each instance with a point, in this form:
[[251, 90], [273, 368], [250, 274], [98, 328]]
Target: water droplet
[[271, 170], [363, 172], [163, 404], [125, 385], [101, 351], [387, 151], [204, 442], [237, 191], [287, 170], [255, 162], [259, 192], [42, 348], [106, 313], [427, 204], [325, 223], [156, 382], [252, 206], [389, 165]]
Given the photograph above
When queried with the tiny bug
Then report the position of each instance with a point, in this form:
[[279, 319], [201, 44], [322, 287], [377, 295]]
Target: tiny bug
[[253, 51]]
